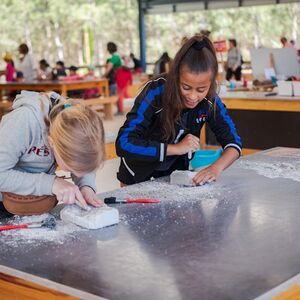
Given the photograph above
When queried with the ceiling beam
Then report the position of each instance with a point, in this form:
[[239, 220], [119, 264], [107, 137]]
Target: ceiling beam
[[169, 6]]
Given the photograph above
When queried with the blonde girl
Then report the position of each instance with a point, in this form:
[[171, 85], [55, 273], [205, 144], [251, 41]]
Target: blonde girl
[[44, 131]]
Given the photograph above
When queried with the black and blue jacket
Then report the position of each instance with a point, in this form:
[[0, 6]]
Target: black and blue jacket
[[140, 142]]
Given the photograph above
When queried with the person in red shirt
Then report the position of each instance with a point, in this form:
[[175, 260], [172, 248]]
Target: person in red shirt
[[10, 67], [123, 80]]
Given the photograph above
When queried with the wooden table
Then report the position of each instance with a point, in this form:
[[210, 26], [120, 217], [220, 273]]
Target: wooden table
[[237, 238], [61, 87], [258, 101], [262, 121]]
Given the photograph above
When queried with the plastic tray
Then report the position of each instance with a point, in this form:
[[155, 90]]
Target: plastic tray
[[204, 158]]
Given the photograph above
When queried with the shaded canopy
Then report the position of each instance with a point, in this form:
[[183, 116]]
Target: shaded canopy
[[168, 6]]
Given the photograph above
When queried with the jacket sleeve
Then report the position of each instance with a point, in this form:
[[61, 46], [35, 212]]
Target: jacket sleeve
[[86, 180], [15, 133], [223, 127], [132, 142]]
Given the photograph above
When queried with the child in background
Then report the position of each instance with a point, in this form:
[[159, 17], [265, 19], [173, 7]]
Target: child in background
[[59, 70], [112, 65], [73, 76], [45, 131], [44, 72], [94, 92], [19, 76], [10, 67], [137, 64], [123, 80], [164, 124], [162, 65]]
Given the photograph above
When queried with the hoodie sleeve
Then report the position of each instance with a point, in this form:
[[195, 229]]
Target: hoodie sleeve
[[223, 127], [16, 130], [86, 180], [131, 142]]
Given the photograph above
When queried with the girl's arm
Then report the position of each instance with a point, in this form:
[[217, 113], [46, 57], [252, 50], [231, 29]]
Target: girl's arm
[[133, 141], [226, 134], [223, 127], [87, 188], [213, 172], [86, 180], [187, 144]]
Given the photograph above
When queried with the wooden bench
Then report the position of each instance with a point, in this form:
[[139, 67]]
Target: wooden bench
[[107, 102], [4, 107]]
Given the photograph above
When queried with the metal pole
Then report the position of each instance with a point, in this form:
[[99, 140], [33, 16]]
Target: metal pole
[[142, 35]]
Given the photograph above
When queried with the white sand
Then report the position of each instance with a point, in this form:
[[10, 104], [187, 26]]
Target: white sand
[[274, 170], [37, 236]]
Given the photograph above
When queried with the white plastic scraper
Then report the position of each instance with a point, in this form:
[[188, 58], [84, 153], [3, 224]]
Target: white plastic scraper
[[95, 218]]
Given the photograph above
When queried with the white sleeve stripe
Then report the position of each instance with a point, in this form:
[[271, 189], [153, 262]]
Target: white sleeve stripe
[[143, 87], [233, 145], [127, 167], [162, 152]]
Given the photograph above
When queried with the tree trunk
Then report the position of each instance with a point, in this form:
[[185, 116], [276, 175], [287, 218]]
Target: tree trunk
[[58, 43], [48, 51], [27, 33], [257, 35], [294, 12]]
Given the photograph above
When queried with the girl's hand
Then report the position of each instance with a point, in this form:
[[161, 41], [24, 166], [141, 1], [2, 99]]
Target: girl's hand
[[208, 174], [67, 192], [188, 143], [90, 197]]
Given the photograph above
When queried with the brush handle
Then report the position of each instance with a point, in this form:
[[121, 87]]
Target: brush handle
[[142, 200], [114, 200], [10, 227]]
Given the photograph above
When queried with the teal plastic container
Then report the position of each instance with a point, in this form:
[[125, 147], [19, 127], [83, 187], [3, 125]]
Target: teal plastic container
[[204, 158]]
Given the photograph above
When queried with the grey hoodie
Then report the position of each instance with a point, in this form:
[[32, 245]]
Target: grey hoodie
[[27, 162]]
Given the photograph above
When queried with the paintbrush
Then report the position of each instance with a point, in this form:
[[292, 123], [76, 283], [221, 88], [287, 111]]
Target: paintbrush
[[48, 222], [114, 200]]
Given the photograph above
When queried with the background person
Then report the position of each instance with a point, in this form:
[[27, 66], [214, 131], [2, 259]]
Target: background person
[[10, 67], [112, 65], [44, 72], [233, 65], [285, 43], [27, 64], [162, 65], [123, 80], [59, 70], [137, 64]]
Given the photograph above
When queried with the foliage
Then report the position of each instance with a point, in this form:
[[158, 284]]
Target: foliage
[[77, 30]]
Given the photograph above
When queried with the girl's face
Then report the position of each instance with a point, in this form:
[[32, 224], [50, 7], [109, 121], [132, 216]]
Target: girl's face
[[60, 162], [194, 86]]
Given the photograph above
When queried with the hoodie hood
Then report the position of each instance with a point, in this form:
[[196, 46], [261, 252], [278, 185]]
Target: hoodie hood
[[38, 103]]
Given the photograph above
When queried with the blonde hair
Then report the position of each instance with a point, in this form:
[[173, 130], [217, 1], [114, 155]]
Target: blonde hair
[[78, 135]]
